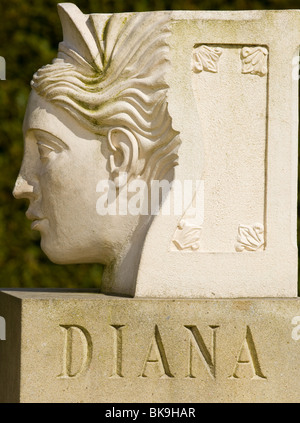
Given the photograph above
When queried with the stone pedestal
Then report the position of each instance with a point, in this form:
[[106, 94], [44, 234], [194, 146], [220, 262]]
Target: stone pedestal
[[67, 346]]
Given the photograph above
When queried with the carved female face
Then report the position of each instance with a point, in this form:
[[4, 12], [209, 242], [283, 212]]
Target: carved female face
[[62, 164]]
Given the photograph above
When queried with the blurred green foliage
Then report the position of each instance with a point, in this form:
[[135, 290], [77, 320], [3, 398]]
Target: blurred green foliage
[[29, 36]]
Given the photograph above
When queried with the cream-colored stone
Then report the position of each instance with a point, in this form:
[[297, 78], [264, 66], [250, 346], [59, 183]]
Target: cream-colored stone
[[238, 125], [205, 97], [87, 347]]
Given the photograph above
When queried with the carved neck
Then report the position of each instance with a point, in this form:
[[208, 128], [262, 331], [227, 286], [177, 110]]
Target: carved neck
[[119, 277]]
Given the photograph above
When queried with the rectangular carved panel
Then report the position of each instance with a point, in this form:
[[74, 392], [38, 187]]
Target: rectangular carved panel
[[230, 84]]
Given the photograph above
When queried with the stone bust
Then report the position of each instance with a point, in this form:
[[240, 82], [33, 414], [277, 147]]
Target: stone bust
[[98, 113]]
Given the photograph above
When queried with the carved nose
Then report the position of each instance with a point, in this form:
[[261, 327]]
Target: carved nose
[[22, 189]]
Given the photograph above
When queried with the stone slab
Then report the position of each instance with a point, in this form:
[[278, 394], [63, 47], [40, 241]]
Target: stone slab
[[224, 132], [241, 125], [87, 347]]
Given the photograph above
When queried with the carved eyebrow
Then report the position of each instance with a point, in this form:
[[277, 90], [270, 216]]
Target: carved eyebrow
[[42, 136]]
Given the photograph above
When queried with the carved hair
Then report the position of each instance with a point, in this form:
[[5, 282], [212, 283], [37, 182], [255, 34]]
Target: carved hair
[[118, 81]]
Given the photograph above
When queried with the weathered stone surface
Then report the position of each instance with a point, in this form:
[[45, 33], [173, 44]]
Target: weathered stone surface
[[87, 347], [234, 99], [209, 98]]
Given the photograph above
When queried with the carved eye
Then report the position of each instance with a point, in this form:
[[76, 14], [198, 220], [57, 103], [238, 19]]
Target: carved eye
[[44, 150], [47, 144]]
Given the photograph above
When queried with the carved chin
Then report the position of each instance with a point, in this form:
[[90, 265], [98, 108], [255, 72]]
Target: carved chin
[[56, 255], [63, 254]]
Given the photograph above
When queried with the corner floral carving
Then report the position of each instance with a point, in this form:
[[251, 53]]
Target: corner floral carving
[[254, 60], [250, 237], [206, 59], [187, 236]]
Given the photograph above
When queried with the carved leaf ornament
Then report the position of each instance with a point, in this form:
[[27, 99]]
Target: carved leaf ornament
[[250, 238], [187, 236], [254, 60], [206, 58]]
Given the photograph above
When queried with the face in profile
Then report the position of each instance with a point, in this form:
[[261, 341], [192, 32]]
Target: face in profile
[[62, 165], [99, 111]]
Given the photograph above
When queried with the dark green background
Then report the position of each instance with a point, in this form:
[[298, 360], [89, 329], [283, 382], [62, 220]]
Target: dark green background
[[29, 35]]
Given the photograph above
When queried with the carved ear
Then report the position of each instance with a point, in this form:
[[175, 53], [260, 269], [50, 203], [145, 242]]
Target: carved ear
[[124, 155]]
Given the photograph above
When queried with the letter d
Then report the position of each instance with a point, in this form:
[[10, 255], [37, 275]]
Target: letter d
[[77, 351]]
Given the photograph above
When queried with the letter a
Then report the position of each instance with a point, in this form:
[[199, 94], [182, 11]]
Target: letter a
[[247, 362], [157, 355]]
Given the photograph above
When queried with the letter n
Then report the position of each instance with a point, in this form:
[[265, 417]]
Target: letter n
[[209, 359]]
